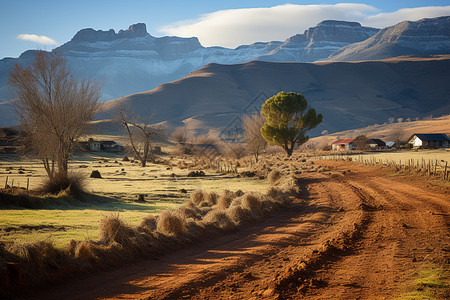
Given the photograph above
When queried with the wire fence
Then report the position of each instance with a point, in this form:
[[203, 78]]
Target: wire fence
[[427, 167]]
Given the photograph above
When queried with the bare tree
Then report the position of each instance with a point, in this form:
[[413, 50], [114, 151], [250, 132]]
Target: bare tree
[[142, 135], [55, 109], [361, 142], [180, 135], [398, 135], [252, 133]]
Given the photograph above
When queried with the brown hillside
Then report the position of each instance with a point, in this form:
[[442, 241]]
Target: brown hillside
[[349, 95], [387, 132]]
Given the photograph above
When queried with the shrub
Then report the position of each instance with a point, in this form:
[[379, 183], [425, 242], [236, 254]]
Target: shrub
[[73, 184], [211, 198], [198, 196], [238, 214], [225, 199], [274, 176], [189, 213], [95, 174], [253, 204], [148, 223], [219, 219], [113, 229], [83, 250], [170, 224]]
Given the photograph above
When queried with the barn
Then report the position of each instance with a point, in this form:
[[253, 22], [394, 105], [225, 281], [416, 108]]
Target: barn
[[429, 140], [375, 144], [343, 145]]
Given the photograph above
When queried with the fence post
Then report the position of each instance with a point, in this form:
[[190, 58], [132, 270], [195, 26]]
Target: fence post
[[445, 171]]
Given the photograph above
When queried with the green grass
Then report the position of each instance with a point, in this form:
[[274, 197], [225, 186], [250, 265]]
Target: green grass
[[77, 222], [431, 282], [63, 219]]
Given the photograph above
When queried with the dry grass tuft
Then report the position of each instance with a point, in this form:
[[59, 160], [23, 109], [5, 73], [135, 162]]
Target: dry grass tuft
[[148, 224], [38, 258], [192, 212], [253, 204], [72, 185], [171, 224], [225, 199], [219, 219], [84, 251], [113, 229], [198, 196], [274, 176], [238, 215]]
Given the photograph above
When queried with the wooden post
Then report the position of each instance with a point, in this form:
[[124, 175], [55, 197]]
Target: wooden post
[[445, 171], [6, 182], [28, 182], [435, 167]]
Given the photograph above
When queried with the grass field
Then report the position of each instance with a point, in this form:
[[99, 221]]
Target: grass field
[[119, 187]]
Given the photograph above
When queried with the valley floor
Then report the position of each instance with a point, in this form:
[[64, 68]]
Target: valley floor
[[354, 233]]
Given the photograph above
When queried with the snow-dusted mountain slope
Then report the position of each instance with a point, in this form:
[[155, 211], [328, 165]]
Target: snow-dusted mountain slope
[[424, 37], [319, 42], [133, 61]]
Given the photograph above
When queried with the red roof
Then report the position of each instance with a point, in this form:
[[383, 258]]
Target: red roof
[[344, 141]]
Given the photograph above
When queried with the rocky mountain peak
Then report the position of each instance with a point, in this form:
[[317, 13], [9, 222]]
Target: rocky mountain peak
[[91, 35], [339, 31], [135, 30], [338, 23]]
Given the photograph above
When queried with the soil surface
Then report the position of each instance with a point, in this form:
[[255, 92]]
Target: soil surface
[[355, 232]]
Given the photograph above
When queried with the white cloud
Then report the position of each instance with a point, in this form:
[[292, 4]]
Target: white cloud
[[39, 39], [406, 14], [234, 27]]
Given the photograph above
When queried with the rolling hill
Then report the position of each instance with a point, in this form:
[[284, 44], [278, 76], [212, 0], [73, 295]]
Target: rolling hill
[[348, 94]]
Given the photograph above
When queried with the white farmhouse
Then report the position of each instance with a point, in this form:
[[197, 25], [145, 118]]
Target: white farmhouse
[[429, 140], [343, 145]]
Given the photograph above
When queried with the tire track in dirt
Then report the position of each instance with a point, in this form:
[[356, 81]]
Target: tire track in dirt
[[348, 237], [408, 230]]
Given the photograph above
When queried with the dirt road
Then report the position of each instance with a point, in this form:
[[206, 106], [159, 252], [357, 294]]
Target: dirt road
[[355, 233]]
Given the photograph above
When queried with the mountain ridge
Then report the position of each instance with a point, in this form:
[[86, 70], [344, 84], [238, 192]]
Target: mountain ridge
[[429, 36], [132, 60], [348, 94]]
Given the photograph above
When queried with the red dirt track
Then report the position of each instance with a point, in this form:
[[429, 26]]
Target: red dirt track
[[359, 234]]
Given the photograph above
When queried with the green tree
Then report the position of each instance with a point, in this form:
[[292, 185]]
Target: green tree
[[288, 120]]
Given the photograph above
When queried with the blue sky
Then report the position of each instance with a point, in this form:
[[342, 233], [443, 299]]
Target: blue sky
[[225, 23]]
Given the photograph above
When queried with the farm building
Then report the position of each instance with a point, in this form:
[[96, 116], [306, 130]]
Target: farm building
[[91, 145], [429, 140], [111, 146], [343, 145], [375, 144], [108, 146]]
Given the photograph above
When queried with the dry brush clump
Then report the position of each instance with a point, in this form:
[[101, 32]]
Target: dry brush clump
[[171, 224], [205, 215], [274, 176]]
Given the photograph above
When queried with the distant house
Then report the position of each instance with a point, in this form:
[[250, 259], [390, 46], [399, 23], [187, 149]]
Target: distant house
[[343, 145], [390, 144], [108, 146], [111, 146], [91, 145], [375, 144], [429, 140]]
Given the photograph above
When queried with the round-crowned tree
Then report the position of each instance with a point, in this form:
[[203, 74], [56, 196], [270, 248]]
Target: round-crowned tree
[[287, 120]]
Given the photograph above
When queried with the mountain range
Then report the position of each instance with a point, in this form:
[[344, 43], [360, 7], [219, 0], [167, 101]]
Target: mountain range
[[133, 61], [349, 94]]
